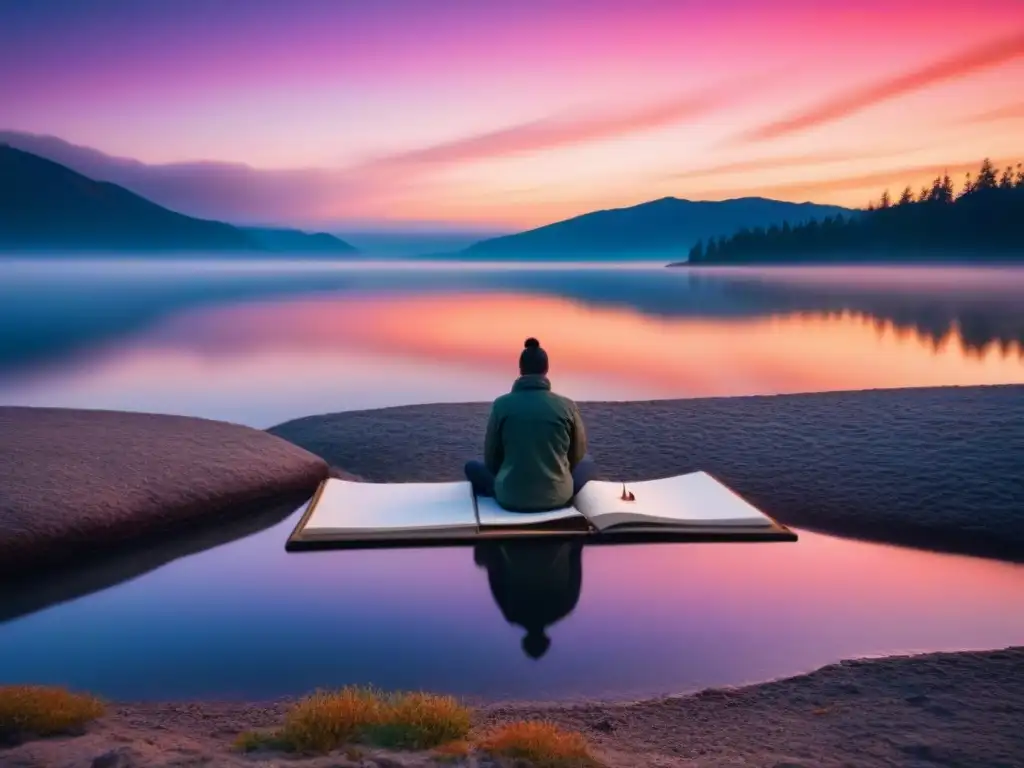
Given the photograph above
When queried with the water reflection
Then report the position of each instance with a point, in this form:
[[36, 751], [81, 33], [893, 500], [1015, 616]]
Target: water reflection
[[535, 584], [31, 592], [978, 310], [261, 363], [51, 311], [248, 620]]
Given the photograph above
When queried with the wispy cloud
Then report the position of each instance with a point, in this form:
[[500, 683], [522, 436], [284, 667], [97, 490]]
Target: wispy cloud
[[1008, 112], [965, 63], [555, 132], [781, 161]]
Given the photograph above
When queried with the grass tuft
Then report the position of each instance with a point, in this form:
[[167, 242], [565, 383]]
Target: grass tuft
[[541, 744], [35, 710], [420, 721], [326, 720]]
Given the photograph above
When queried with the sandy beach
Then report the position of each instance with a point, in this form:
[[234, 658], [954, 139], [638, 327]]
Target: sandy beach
[[961, 709]]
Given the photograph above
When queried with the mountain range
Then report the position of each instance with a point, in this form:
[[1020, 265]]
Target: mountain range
[[45, 205], [54, 194], [661, 228]]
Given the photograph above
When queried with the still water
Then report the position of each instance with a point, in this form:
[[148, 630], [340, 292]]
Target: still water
[[262, 343]]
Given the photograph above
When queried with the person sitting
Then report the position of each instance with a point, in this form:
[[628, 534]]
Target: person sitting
[[535, 448]]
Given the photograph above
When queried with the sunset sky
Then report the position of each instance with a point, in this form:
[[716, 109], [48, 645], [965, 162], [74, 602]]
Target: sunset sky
[[508, 115]]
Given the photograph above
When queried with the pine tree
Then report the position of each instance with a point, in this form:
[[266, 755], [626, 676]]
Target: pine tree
[[987, 178], [1006, 182], [886, 201], [924, 195], [1019, 181], [968, 186], [907, 197], [946, 193], [697, 252]]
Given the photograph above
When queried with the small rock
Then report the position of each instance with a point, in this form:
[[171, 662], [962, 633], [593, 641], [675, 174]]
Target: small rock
[[604, 725]]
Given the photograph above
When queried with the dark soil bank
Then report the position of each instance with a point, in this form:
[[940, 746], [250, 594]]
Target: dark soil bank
[[73, 482], [940, 468], [960, 710]]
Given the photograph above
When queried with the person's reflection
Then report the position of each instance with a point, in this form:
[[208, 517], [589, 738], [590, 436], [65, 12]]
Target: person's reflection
[[535, 584]]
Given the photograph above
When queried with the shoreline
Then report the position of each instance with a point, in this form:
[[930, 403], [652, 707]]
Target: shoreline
[[942, 708]]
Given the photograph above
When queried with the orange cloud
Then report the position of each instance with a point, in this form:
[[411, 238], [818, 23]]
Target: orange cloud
[[553, 132], [952, 68], [783, 161], [1008, 112]]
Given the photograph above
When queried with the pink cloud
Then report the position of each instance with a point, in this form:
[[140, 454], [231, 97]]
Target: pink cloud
[[965, 63], [555, 132]]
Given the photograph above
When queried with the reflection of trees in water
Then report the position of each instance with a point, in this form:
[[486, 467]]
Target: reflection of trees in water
[[535, 585], [978, 320], [43, 320], [974, 340]]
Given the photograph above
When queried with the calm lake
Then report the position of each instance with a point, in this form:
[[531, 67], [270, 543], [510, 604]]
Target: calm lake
[[261, 343]]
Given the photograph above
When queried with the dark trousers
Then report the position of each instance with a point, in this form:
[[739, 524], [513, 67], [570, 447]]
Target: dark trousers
[[482, 478]]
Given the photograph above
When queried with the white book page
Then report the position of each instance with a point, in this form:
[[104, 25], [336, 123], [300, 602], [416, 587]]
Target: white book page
[[492, 514], [695, 498], [348, 506]]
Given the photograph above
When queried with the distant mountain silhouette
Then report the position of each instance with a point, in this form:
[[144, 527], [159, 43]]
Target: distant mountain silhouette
[[295, 241], [44, 205], [657, 228]]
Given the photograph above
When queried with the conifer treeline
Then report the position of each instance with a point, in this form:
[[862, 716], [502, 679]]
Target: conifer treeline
[[984, 220]]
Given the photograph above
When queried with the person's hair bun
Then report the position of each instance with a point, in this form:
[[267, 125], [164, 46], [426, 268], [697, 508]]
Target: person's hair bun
[[531, 343]]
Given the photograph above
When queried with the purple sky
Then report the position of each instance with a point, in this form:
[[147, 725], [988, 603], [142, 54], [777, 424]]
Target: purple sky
[[512, 114]]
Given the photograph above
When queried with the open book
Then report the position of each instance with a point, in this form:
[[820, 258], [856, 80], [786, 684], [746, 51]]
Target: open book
[[689, 507]]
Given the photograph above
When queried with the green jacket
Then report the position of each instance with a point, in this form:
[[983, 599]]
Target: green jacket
[[535, 438]]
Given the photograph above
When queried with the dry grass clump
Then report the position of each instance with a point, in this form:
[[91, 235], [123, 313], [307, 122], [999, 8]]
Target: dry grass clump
[[327, 720], [420, 721], [541, 744], [36, 710], [330, 720]]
